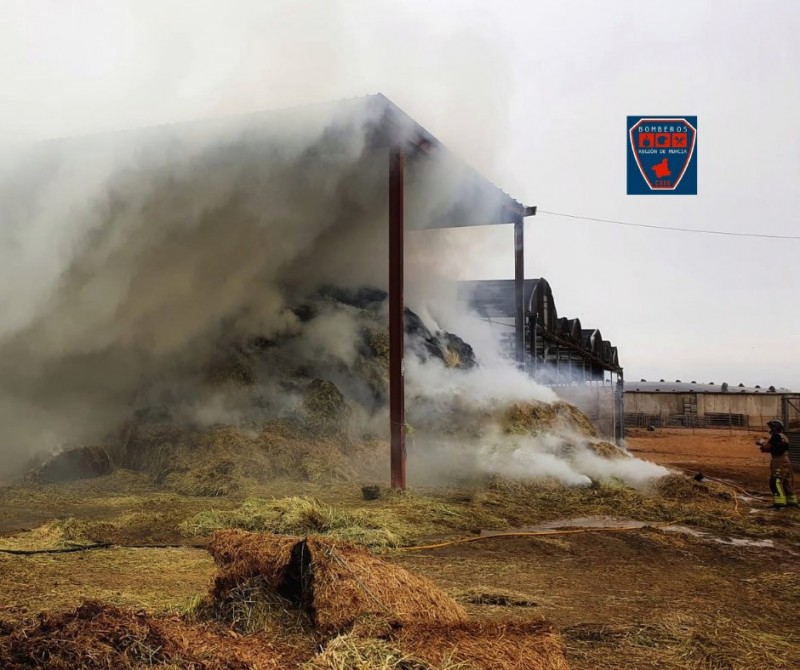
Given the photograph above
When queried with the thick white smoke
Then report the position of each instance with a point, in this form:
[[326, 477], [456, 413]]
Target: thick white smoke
[[464, 451], [132, 260]]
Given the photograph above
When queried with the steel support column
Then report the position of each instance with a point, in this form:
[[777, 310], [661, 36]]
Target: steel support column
[[519, 290], [619, 406], [397, 411]]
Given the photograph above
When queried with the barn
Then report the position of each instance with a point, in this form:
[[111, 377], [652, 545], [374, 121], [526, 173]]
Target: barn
[[557, 351], [357, 175], [709, 405]]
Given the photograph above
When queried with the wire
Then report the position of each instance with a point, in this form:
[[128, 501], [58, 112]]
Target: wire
[[673, 228], [98, 545]]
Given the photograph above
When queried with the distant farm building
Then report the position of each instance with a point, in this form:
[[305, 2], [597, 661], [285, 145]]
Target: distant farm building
[[556, 351], [697, 405]]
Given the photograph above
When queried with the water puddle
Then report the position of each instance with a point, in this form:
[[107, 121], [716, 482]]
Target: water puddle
[[618, 523], [733, 541]]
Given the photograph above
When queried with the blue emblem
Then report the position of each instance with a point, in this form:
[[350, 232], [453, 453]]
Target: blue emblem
[[662, 155]]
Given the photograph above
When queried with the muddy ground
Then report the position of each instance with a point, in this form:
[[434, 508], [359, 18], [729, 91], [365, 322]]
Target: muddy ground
[[642, 598]]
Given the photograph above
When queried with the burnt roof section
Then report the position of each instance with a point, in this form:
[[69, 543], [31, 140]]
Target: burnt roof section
[[392, 126], [470, 200]]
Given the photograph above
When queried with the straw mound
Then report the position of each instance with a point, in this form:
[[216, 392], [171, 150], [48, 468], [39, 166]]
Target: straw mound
[[229, 459], [96, 636], [336, 583], [537, 417], [325, 405], [280, 597], [241, 555], [92, 636], [348, 583], [72, 464], [396, 619], [302, 515], [677, 486], [57, 534]]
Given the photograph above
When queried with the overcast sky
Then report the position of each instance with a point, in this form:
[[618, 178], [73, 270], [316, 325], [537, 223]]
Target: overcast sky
[[533, 94]]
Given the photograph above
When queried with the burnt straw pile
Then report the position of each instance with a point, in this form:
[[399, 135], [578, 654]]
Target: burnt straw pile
[[309, 405], [288, 602]]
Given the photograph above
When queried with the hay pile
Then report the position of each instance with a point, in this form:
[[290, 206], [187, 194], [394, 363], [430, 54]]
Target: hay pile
[[93, 636], [229, 459], [534, 418], [325, 406], [371, 613], [96, 636], [607, 450], [677, 486], [58, 534], [281, 602], [486, 645], [336, 582], [303, 515]]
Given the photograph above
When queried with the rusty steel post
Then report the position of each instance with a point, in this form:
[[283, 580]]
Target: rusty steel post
[[397, 410], [519, 293]]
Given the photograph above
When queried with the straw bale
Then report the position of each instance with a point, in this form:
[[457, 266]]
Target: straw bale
[[377, 339], [323, 402], [495, 645], [349, 582], [231, 368]]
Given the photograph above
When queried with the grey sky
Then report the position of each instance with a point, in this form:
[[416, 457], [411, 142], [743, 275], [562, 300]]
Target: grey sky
[[535, 95]]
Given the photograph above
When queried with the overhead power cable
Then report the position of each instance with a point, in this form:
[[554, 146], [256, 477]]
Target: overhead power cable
[[674, 228]]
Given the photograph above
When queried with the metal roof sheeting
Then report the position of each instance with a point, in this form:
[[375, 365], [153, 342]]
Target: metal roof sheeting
[[689, 387]]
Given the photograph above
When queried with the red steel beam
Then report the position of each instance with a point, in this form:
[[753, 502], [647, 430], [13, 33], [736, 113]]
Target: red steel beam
[[397, 410]]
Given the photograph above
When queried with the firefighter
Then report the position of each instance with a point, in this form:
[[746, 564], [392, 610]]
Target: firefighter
[[780, 469]]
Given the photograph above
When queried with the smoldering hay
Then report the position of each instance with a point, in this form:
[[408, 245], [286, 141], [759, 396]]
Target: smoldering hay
[[142, 268]]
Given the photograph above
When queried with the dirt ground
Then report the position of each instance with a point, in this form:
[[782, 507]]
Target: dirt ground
[[729, 454], [642, 598]]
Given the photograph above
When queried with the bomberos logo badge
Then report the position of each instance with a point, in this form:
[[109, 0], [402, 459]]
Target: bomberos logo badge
[[662, 155]]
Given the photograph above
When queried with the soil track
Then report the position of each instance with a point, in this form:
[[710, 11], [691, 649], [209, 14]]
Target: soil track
[[728, 454]]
